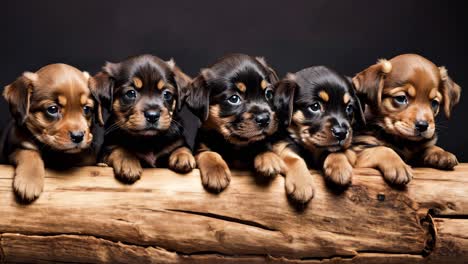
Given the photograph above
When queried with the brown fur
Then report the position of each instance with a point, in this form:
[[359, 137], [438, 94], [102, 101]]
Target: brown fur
[[216, 172]]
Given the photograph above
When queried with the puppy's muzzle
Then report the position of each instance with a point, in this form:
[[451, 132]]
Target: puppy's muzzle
[[421, 126], [340, 132], [263, 119], [77, 136], [152, 116]]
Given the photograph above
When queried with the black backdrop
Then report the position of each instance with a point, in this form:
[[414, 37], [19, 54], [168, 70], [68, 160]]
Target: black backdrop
[[346, 35]]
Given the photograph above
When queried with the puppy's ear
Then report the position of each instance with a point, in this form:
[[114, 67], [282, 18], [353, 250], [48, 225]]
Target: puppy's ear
[[198, 95], [271, 73], [451, 91], [369, 82], [182, 80], [102, 88], [358, 108], [18, 95], [284, 98]]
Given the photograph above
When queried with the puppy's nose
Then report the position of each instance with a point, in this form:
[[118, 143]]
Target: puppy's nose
[[152, 116], [421, 126], [263, 119], [76, 136], [339, 132]]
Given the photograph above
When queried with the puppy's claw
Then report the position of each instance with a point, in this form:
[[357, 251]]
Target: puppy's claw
[[214, 171], [338, 170], [28, 186], [300, 188], [397, 173], [269, 164], [182, 162], [441, 159]]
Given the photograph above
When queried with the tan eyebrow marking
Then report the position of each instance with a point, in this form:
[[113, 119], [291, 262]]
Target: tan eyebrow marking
[[325, 97], [412, 91], [160, 84], [84, 99], [346, 98], [137, 82], [241, 86], [264, 84], [62, 100], [435, 93]]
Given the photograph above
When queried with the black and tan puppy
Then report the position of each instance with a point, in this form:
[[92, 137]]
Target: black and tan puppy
[[53, 111], [234, 99], [144, 95], [319, 108], [402, 97]]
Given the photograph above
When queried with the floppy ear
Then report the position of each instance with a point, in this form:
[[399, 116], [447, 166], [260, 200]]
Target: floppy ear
[[451, 91], [182, 80], [284, 98], [369, 82], [18, 96], [198, 95], [102, 88], [358, 108], [271, 73]]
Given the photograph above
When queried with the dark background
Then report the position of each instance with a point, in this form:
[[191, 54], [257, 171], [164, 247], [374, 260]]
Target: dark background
[[345, 35]]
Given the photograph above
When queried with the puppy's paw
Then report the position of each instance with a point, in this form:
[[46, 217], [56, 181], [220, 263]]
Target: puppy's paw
[[268, 164], [215, 173], [182, 161], [28, 184], [440, 159], [127, 167], [299, 186], [337, 169], [396, 172]]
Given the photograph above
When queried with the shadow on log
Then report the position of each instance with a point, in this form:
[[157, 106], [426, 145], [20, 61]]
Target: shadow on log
[[85, 216]]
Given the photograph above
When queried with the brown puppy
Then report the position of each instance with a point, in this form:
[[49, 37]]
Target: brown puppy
[[144, 95], [53, 117], [403, 96]]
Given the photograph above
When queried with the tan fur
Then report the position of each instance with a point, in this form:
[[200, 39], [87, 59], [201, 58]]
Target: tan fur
[[160, 84], [324, 96], [215, 173], [241, 86], [182, 160], [137, 82], [346, 98], [29, 173], [126, 165], [338, 169], [264, 84], [268, 164]]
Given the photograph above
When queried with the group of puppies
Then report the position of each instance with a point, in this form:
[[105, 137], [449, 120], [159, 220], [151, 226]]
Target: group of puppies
[[381, 118]]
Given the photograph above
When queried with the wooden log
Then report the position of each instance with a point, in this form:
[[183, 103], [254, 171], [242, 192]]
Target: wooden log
[[84, 215]]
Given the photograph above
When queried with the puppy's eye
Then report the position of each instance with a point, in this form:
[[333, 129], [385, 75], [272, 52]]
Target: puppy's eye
[[315, 107], [349, 109], [269, 94], [52, 110], [167, 95], [401, 99], [131, 94], [435, 105], [234, 100], [86, 110]]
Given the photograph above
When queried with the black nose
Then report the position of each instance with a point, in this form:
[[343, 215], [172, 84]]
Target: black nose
[[152, 116], [263, 119], [339, 132], [76, 136], [421, 126]]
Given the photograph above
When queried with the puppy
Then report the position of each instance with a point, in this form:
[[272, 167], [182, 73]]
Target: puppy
[[143, 95], [234, 100], [403, 96], [53, 112], [319, 108]]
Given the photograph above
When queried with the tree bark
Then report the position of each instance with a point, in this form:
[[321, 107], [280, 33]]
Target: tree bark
[[84, 215]]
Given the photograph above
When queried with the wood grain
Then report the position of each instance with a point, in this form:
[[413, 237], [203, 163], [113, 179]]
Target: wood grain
[[86, 216]]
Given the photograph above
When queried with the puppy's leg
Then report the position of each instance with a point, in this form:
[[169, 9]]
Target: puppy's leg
[[29, 174], [385, 159], [181, 160], [438, 158], [298, 180], [127, 167], [269, 164], [338, 169], [214, 171]]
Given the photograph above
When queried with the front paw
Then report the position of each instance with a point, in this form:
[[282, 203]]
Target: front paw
[[214, 171], [127, 170], [182, 162], [299, 187], [28, 185], [269, 164], [396, 172], [441, 159], [338, 170]]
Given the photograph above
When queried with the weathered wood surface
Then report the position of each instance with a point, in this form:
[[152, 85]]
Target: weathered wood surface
[[86, 216]]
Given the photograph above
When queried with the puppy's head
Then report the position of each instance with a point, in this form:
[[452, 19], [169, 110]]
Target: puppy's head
[[406, 93], [55, 104], [318, 107], [235, 98], [142, 93]]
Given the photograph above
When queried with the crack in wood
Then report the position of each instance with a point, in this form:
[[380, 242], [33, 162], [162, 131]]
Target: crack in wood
[[225, 218]]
